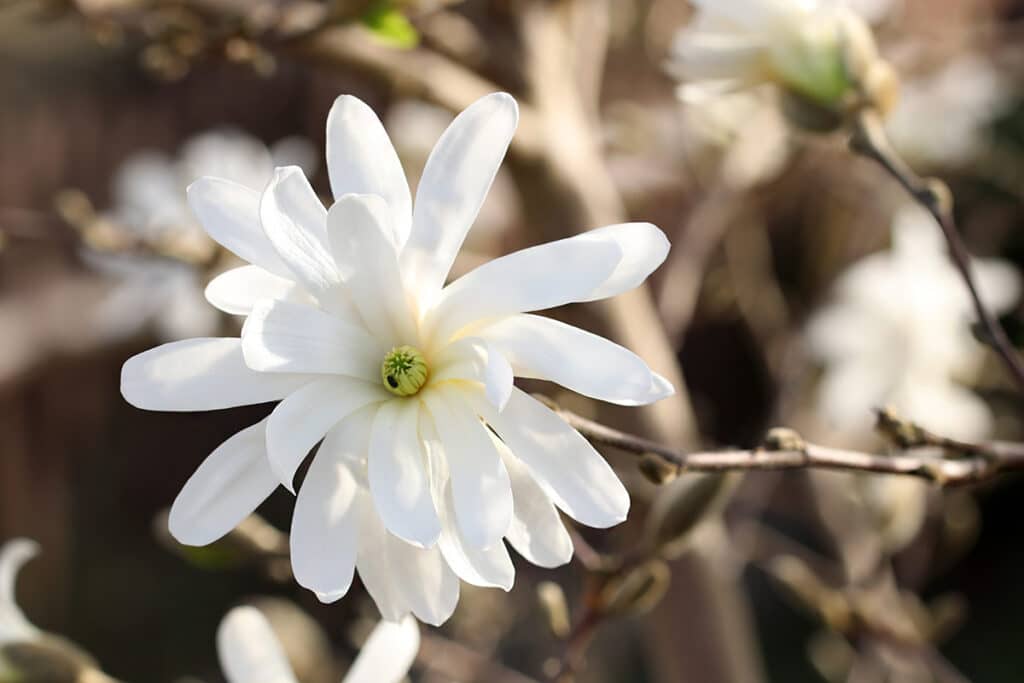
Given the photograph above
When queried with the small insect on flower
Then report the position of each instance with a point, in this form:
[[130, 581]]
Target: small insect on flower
[[429, 458]]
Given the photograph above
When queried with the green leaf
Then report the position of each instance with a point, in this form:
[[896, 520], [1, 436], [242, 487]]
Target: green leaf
[[390, 26]]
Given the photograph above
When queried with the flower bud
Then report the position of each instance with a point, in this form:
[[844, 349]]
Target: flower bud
[[638, 590], [683, 505]]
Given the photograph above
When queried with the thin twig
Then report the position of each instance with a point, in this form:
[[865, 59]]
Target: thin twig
[[978, 462], [869, 140]]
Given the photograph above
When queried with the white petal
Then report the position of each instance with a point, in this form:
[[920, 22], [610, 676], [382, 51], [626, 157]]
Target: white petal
[[543, 348], [361, 160], [455, 182], [325, 527], [427, 584], [387, 655], [200, 374], [279, 336], [237, 290], [644, 247], [533, 279], [476, 359], [480, 485], [230, 214], [304, 417], [397, 472], [490, 567], [537, 532], [571, 472], [249, 651], [226, 488], [14, 626], [362, 244], [373, 562], [295, 222]]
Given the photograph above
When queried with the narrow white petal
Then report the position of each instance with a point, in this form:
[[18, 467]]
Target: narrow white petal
[[568, 468], [387, 655], [325, 527], [200, 374], [397, 472], [280, 336], [480, 485], [362, 160], [295, 222], [237, 290], [304, 417], [230, 214], [362, 244], [373, 562], [644, 247], [226, 488], [533, 279], [537, 532], [249, 651], [488, 567], [13, 556], [543, 348], [455, 182], [476, 359], [426, 583]]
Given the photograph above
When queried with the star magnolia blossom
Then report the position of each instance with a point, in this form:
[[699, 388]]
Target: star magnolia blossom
[[251, 653], [898, 333], [430, 455], [14, 627], [800, 45]]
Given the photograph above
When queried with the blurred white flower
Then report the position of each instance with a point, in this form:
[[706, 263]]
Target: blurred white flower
[[404, 379], [802, 46], [898, 333], [14, 627], [251, 653], [149, 200], [941, 118]]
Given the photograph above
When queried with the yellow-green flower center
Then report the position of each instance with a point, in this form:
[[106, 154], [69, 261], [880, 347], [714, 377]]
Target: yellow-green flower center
[[404, 370]]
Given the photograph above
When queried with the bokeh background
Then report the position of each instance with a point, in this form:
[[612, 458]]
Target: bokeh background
[[106, 114]]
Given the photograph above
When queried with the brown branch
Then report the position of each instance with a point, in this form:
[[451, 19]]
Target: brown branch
[[977, 462], [869, 140]]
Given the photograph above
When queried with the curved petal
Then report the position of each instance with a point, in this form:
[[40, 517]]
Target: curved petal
[[200, 374], [480, 485], [362, 160], [226, 488], [304, 417], [644, 247], [230, 214], [537, 532], [567, 467], [455, 182], [488, 567], [533, 279], [476, 359], [387, 655], [428, 585], [397, 472], [295, 222], [280, 336], [13, 624], [249, 651], [237, 290], [373, 562], [362, 244], [543, 348], [325, 527]]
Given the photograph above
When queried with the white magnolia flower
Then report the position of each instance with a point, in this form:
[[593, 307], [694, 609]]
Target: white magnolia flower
[[803, 46], [430, 455], [251, 653], [14, 627], [898, 333], [149, 193], [941, 118]]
